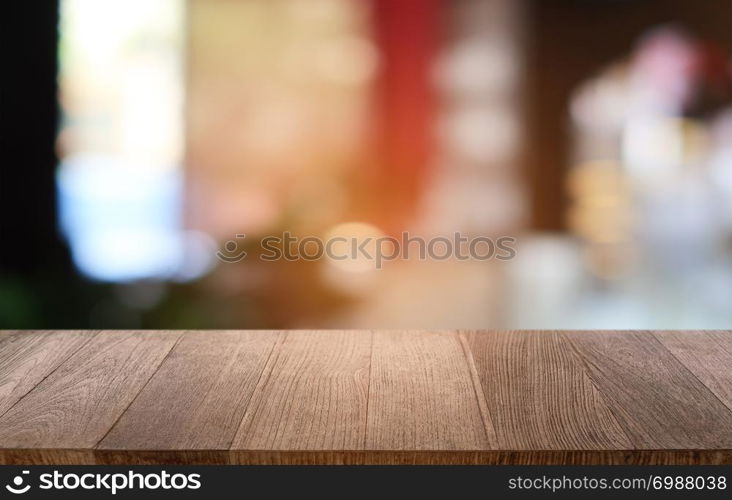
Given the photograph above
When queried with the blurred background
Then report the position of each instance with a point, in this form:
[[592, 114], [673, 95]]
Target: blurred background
[[141, 137]]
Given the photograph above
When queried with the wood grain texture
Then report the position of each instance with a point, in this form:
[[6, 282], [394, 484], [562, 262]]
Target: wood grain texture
[[478, 457], [421, 395], [47, 456], [312, 396], [653, 396], [361, 397], [26, 358], [708, 355], [78, 403], [364, 457], [197, 399], [538, 394]]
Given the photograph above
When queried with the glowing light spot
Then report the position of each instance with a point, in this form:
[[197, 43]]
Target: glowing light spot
[[353, 246]]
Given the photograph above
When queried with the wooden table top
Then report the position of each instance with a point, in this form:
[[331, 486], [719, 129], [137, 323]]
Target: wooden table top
[[510, 397]]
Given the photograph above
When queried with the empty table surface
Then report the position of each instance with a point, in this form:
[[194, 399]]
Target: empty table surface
[[386, 397]]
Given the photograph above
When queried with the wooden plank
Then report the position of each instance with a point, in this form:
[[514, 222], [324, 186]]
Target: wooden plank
[[78, 403], [422, 395], [197, 399], [538, 394], [359, 397], [364, 457], [46, 456], [26, 358], [708, 355], [312, 396], [479, 457], [653, 396]]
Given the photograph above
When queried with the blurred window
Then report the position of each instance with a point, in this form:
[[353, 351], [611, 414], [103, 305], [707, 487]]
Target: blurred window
[[121, 138]]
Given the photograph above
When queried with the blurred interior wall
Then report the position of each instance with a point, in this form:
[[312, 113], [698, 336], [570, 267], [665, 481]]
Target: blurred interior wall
[[278, 105], [571, 40], [475, 180], [28, 129], [406, 34]]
